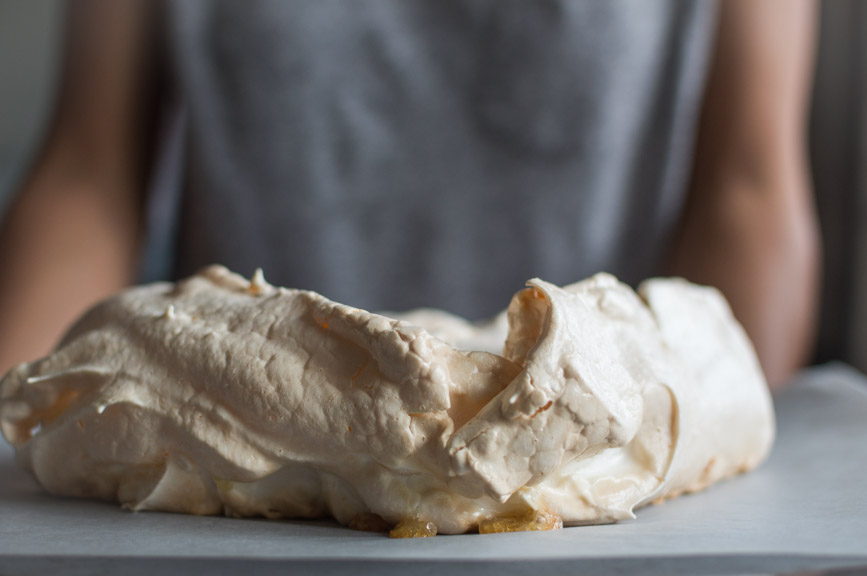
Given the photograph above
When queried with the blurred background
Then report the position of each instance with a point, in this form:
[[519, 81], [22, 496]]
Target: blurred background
[[29, 51], [29, 63]]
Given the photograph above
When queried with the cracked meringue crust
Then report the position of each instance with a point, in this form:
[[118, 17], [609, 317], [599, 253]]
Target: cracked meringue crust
[[218, 395]]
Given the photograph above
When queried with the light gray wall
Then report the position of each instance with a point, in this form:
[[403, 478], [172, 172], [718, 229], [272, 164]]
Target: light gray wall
[[29, 50]]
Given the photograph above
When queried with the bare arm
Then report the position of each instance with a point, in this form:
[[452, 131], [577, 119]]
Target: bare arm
[[750, 226], [72, 234]]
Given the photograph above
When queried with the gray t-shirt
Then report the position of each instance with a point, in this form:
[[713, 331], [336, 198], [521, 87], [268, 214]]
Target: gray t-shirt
[[402, 153]]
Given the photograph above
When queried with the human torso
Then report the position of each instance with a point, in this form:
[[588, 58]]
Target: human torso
[[395, 154]]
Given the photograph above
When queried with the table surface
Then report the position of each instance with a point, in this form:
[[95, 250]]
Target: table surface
[[804, 509]]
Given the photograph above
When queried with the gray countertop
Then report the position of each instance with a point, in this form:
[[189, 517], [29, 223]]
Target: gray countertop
[[805, 509]]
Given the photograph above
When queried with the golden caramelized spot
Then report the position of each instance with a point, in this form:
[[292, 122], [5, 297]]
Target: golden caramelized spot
[[708, 469], [533, 294], [257, 283], [529, 521], [369, 522], [414, 528], [359, 371], [28, 427], [223, 486], [349, 428], [542, 409]]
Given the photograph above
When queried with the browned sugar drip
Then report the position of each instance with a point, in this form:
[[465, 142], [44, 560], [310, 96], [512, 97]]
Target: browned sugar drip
[[532, 520], [414, 528]]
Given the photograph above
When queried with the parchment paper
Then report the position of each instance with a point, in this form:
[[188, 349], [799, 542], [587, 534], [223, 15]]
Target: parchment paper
[[805, 509]]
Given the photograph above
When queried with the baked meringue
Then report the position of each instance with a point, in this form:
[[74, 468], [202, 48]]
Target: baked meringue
[[222, 395]]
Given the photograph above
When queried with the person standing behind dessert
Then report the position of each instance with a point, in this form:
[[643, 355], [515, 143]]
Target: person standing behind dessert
[[397, 154]]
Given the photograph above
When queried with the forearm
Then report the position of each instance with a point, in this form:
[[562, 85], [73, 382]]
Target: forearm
[[72, 235], [761, 249], [749, 226], [64, 245]]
